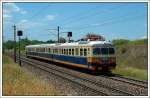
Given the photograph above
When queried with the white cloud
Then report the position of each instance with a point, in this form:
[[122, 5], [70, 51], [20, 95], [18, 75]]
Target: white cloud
[[50, 17], [23, 21], [23, 12], [7, 16], [7, 19], [143, 37], [10, 8], [26, 24]]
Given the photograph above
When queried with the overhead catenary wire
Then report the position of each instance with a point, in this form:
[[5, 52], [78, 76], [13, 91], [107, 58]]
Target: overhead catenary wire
[[83, 17], [116, 7], [46, 7], [100, 24], [117, 20], [105, 23], [114, 18], [70, 17], [80, 19]]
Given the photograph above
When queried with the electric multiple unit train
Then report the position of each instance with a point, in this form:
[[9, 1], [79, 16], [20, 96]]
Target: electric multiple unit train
[[92, 55]]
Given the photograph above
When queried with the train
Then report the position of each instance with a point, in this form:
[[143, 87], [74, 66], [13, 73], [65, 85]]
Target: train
[[95, 56]]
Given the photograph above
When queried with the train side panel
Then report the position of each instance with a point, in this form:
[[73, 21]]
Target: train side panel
[[69, 60]]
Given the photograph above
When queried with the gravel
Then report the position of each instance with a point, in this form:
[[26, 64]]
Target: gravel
[[61, 86]]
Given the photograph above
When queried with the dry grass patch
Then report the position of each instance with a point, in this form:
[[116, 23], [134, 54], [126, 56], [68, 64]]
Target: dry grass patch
[[18, 82]]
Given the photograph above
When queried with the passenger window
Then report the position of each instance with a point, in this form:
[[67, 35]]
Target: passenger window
[[69, 51], [62, 51], [77, 51], [66, 52], [104, 51], [85, 52], [81, 52], [59, 52], [53, 50], [88, 50], [50, 50], [96, 51], [72, 51]]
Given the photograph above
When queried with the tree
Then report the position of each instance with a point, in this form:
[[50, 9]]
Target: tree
[[62, 40], [50, 41], [9, 44], [120, 41]]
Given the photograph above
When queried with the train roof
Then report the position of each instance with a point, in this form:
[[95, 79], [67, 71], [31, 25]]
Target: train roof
[[80, 43]]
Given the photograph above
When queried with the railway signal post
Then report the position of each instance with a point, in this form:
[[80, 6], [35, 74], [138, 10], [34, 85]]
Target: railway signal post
[[14, 43], [19, 33], [58, 33], [69, 35]]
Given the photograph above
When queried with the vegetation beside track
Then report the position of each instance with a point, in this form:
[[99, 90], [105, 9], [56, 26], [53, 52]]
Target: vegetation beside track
[[132, 72], [16, 81], [132, 58]]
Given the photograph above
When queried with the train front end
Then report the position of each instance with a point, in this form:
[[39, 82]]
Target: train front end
[[103, 58]]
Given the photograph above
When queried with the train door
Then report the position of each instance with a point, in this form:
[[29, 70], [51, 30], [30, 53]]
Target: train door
[[89, 57], [52, 53]]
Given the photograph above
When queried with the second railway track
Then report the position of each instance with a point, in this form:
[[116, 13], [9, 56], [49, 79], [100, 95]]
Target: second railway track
[[131, 81]]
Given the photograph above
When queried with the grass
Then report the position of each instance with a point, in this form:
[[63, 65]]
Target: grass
[[132, 72], [132, 58], [18, 82], [120, 42]]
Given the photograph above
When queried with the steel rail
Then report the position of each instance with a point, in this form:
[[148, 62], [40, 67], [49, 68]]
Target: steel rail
[[117, 78], [89, 80]]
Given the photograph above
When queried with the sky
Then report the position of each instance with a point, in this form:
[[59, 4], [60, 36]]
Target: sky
[[39, 21]]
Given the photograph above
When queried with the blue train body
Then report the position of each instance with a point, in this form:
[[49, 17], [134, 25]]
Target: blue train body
[[82, 56]]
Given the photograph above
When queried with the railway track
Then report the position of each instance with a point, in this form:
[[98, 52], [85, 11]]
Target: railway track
[[88, 83], [65, 76], [131, 81]]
